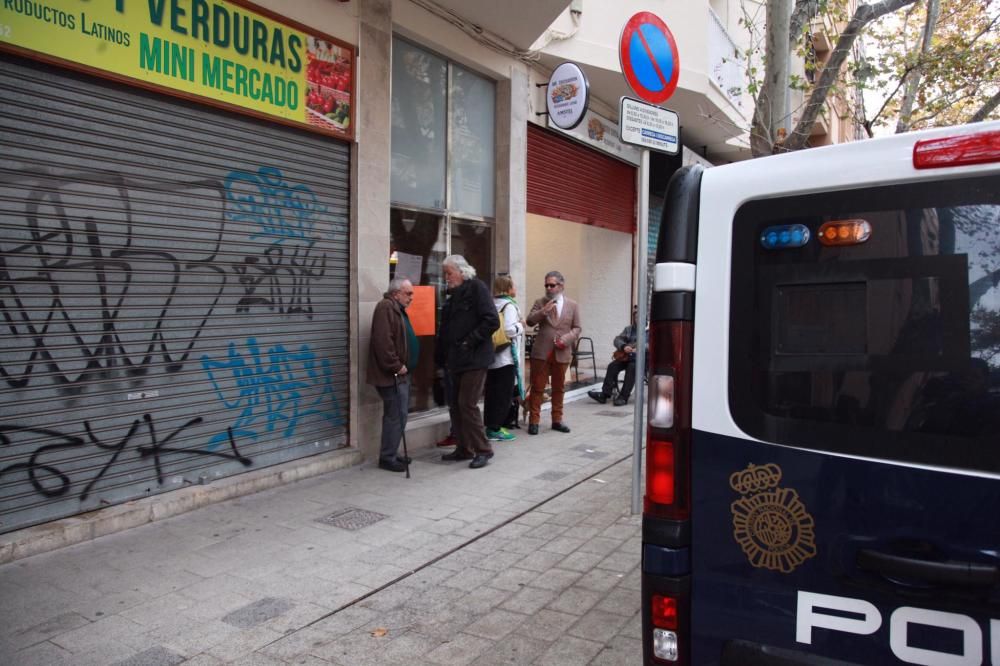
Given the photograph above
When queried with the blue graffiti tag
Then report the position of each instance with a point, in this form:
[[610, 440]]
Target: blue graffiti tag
[[280, 210], [277, 389]]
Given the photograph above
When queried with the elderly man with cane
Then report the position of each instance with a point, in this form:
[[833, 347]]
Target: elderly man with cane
[[393, 351]]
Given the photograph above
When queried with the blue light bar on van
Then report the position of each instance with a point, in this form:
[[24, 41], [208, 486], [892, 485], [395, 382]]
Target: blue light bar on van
[[784, 236]]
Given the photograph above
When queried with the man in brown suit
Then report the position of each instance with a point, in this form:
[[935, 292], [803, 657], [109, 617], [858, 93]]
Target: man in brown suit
[[558, 321]]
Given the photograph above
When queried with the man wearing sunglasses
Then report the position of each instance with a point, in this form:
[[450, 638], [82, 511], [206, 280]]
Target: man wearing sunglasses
[[558, 321]]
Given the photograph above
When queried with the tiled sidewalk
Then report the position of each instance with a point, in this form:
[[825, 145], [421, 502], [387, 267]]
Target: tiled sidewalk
[[250, 579]]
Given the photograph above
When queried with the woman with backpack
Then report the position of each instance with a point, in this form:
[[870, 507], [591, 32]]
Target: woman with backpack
[[504, 376]]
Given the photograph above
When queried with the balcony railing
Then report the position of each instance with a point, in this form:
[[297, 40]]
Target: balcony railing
[[726, 64]]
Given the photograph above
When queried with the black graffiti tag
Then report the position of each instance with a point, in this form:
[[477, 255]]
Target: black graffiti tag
[[41, 471]]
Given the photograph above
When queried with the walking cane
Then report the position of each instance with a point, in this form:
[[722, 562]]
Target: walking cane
[[406, 456]]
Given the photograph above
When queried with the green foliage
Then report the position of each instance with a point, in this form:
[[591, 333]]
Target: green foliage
[[959, 73]]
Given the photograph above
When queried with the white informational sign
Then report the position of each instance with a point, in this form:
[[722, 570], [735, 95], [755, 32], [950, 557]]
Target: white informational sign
[[649, 126], [599, 132], [409, 266], [567, 96]]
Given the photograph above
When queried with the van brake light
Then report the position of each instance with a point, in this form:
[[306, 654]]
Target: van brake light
[[978, 148], [668, 421]]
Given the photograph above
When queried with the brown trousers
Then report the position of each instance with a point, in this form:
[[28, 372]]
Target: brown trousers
[[541, 372], [466, 419]]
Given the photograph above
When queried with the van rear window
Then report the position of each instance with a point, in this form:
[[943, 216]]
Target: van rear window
[[889, 348]]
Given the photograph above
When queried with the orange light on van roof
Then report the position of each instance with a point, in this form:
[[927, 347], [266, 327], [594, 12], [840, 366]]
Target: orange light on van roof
[[844, 232]]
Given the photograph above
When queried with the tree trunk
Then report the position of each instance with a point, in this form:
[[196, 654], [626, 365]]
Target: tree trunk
[[864, 15], [914, 75], [770, 112]]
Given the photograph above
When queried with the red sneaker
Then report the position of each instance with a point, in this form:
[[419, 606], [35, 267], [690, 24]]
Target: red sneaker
[[450, 440]]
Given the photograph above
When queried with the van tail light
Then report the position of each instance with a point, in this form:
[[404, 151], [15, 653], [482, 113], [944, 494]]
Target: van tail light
[[950, 151], [668, 423], [666, 604]]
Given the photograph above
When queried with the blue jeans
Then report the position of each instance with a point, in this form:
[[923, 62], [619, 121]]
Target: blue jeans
[[395, 406]]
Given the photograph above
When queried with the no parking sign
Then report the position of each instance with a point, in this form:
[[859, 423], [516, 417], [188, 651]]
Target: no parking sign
[[649, 57]]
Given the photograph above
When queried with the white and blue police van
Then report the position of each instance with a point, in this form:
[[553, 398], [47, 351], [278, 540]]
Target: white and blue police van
[[823, 425]]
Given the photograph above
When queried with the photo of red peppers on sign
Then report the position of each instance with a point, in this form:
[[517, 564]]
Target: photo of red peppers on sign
[[328, 73]]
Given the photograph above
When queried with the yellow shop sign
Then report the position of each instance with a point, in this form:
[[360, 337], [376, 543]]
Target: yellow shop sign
[[224, 52]]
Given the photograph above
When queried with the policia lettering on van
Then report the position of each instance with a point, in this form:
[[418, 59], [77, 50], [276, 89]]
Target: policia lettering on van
[[823, 436]]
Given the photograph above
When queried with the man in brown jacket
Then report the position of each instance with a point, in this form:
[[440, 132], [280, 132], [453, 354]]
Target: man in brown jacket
[[394, 349], [558, 321]]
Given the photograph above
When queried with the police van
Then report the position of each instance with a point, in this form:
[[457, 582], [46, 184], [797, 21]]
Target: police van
[[823, 425]]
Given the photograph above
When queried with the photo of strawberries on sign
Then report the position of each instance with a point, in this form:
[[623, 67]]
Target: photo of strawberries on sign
[[328, 72]]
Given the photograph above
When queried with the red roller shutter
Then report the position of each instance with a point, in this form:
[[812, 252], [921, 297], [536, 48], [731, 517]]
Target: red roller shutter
[[571, 182]]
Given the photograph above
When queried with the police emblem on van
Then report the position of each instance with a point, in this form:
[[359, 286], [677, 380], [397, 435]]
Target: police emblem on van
[[770, 523]]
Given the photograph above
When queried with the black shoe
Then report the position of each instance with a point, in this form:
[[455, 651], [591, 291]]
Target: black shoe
[[481, 460], [599, 396], [561, 427], [406, 460], [392, 465], [457, 455], [532, 428], [621, 401]]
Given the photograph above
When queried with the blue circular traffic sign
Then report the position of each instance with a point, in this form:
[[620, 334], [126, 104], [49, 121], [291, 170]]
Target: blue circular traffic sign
[[649, 57]]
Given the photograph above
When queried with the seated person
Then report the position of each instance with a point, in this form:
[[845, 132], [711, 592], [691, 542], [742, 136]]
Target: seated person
[[622, 359]]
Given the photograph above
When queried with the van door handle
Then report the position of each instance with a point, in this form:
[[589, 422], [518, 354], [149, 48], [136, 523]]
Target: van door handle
[[951, 572]]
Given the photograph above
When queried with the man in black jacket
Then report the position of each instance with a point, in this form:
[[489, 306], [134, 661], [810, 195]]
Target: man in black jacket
[[623, 359], [464, 347]]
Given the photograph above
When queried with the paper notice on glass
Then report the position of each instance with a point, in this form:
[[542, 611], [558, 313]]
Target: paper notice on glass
[[421, 311], [409, 266]]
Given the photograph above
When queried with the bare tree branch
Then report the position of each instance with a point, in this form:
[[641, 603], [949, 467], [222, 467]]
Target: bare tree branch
[[914, 75], [864, 15]]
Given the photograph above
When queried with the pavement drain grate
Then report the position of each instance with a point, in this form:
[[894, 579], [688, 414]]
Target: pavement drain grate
[[619, 413], [155, 656], [351, 518], [258, 612], [551, 475]]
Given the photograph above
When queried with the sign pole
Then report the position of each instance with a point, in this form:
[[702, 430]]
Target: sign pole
[[638, 423]]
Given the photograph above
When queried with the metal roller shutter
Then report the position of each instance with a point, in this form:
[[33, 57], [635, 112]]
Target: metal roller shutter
[[174, 285], [571, 182]]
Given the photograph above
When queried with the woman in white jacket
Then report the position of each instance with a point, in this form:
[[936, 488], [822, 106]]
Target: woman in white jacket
[[504, 375]]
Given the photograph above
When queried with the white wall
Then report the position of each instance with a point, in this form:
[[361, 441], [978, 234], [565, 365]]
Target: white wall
[[597, 264]]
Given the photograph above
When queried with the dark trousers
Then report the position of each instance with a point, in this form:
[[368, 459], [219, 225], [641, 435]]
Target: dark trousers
[[611, 378], [467, 420], [395, 406], [499, 393]]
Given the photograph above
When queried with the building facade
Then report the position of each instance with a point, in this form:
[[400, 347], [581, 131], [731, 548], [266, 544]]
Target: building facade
[[189, 275]]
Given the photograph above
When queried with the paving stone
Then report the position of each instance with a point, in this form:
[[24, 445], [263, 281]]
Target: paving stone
[[563, 545], [513, 579], [257, 612], [619, 652], [513, 649], [555, 579], [540, 561], [157, 656], [575, 600], [464, 649], [495, 624], [569, 651], [598, 625], [40, 654], [547, 624], [619, 600], [600, 545], [410, 648], [529, 600], [599, 580], [580, 561]]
